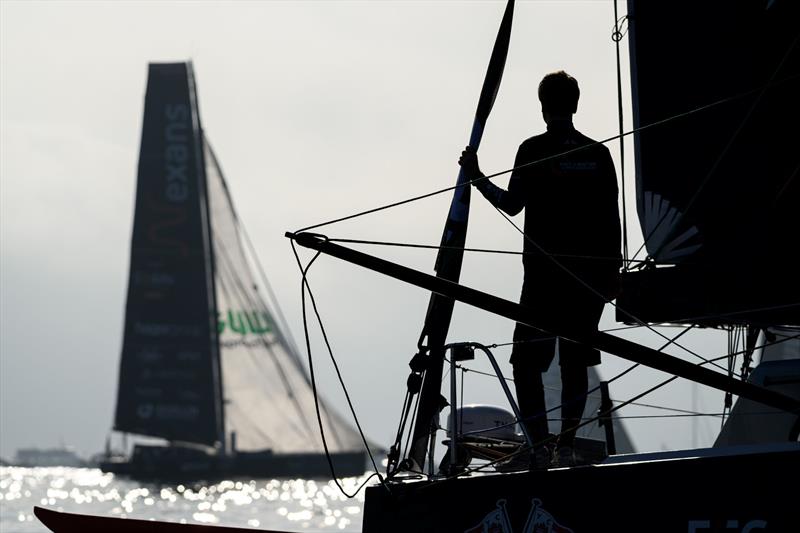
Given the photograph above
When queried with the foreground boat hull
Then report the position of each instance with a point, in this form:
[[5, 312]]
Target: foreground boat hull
[[736, 493], [69, 522]]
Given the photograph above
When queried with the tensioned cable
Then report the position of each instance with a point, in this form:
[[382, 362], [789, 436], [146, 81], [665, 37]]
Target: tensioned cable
[[479, 250], [608, 413], [284, 325], [740, 312], [595, 389], [549, 255], [265, 281], [282, 330], [522, 232], [596, 292], [674, 323], [584, 147], [241, 296], [524, 449], [616, 36], [304, 285], [761, 92]]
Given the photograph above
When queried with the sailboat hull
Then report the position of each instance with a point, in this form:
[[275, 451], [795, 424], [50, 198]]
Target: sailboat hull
[[181, 464], [741, 492]]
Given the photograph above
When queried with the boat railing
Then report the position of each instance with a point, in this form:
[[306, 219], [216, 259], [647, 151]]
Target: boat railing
[[465, 351]]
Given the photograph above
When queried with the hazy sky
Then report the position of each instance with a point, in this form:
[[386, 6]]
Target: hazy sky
[[316, 110]]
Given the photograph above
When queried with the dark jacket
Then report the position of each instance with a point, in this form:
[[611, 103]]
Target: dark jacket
[[571, 210]]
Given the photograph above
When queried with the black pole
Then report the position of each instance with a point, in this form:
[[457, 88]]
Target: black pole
[[605, 419], [518, 313]]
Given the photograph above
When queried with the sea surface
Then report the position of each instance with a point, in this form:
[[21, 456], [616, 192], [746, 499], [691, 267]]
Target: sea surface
[[288, 505]]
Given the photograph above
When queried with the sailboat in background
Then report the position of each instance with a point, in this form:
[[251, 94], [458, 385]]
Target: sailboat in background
[[205, 365]]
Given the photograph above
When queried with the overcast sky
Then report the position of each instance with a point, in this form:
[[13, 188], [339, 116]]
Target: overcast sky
[[316, 110]]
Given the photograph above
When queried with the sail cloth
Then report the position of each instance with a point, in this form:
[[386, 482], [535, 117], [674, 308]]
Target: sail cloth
[[717, 189], [268, 400], [449, 259], [169, 367]]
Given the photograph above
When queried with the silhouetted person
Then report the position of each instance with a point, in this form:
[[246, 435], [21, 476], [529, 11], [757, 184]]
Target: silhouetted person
[[571, 216]]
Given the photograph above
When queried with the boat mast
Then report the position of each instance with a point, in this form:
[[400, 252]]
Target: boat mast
[[429, 361], [208, 248]]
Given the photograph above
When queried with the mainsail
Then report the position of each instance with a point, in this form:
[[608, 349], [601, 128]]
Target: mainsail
[[169, 371], [203, 359], [717, 185]]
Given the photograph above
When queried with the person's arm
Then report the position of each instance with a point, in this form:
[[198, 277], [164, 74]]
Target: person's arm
[[511, 201]]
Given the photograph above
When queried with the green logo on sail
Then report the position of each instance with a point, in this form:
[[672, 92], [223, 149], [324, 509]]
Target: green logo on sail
[[244, 322]]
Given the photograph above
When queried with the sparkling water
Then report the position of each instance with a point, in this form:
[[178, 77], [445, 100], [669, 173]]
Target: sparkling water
[[284, 505]]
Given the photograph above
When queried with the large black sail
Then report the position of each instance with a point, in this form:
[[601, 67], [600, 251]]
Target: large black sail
[[717, 185], [169, 373], [448, 261]]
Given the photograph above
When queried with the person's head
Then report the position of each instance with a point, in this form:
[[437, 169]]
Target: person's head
[[559, 93]]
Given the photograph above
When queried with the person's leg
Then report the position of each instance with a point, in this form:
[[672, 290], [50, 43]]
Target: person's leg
[[574, 384], [532, 350], [530, 396], [584, 316]]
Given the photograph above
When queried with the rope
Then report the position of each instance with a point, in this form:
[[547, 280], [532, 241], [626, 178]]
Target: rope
[[678, 116], [304, 285], [616, 36], [606, 414], [594, 291], [479, 250]]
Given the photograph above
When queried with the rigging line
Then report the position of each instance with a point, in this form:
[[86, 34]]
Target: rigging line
[[332, 417], [333, 360], [243, 230], [545, 159], [616, 36], [254, 300], [411, 426], [228, 275], [286, 338], [243, 297], [265, 281], [734, 313], [305, 285], [596, 292], [638, 396], [786, 185], [594, 397], [697, 415], [595, 389], [711, 172], [398, 438], [481, 250], [524, 449]]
